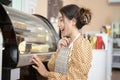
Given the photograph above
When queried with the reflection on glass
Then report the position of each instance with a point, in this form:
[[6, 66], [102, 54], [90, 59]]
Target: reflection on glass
[[32, 34]]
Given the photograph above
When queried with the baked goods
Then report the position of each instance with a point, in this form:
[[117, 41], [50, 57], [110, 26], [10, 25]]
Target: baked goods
[[35, 48], [40, 48], [22, 47]]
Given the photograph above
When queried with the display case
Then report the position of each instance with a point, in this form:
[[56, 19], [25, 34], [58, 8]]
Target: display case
[[115, 33], [25, 35]]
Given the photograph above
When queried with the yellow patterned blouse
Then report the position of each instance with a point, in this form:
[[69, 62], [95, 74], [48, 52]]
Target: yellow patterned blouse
[[79, 65]]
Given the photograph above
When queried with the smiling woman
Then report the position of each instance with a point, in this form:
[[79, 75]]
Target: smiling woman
[[72, 60]]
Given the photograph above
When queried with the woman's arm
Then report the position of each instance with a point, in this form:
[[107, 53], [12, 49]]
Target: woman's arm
[[38, 65], [79, 65]]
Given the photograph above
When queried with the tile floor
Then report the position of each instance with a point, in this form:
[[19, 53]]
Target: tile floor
[[115, 74]]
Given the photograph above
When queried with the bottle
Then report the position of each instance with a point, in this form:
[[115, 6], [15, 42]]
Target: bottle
[[99, 43]]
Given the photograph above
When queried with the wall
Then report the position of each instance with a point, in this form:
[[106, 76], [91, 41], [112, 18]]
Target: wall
[[41, 7], [65, 2], [103, 13]]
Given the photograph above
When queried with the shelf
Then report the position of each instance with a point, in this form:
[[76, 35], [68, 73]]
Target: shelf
[[26, 59], [115, 33], [116, 40], [116, 49], [116, 65], [116, 54], [21, 30]]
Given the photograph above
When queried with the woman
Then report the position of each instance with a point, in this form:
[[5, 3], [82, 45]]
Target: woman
[[72, 59]]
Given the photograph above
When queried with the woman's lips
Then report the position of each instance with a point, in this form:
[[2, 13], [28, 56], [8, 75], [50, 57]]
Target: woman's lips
[[62, 29]]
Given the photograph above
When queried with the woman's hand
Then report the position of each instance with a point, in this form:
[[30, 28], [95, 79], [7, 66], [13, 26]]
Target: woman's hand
[[39, 66], [63, 42]]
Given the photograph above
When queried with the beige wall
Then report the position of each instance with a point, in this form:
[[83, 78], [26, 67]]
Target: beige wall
[[65, 2], [41, 7], [103, 12]]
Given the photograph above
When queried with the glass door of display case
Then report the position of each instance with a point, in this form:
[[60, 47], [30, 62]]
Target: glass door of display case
[[25, 35]]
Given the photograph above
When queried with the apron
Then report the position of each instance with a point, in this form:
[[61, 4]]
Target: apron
[[62, 59]]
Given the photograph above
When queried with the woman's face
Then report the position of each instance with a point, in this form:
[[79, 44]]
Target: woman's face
[[64, 24]]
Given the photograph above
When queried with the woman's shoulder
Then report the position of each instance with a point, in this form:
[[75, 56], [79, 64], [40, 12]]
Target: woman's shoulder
[[82, 44], [81, 39]]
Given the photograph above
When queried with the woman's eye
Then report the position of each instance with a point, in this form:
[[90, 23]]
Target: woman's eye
[[60, 20]]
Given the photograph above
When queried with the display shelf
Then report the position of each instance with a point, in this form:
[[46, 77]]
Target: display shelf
[[115, 34], [116, 65], [116, 54], [21, 30]]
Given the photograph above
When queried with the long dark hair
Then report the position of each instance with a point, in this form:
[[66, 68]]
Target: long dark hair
[[82, 15]]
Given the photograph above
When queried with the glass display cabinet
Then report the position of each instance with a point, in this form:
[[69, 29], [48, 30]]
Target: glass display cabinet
[[25, 35]]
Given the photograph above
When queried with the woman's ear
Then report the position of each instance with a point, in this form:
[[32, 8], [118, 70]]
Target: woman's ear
[[73, 22]]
